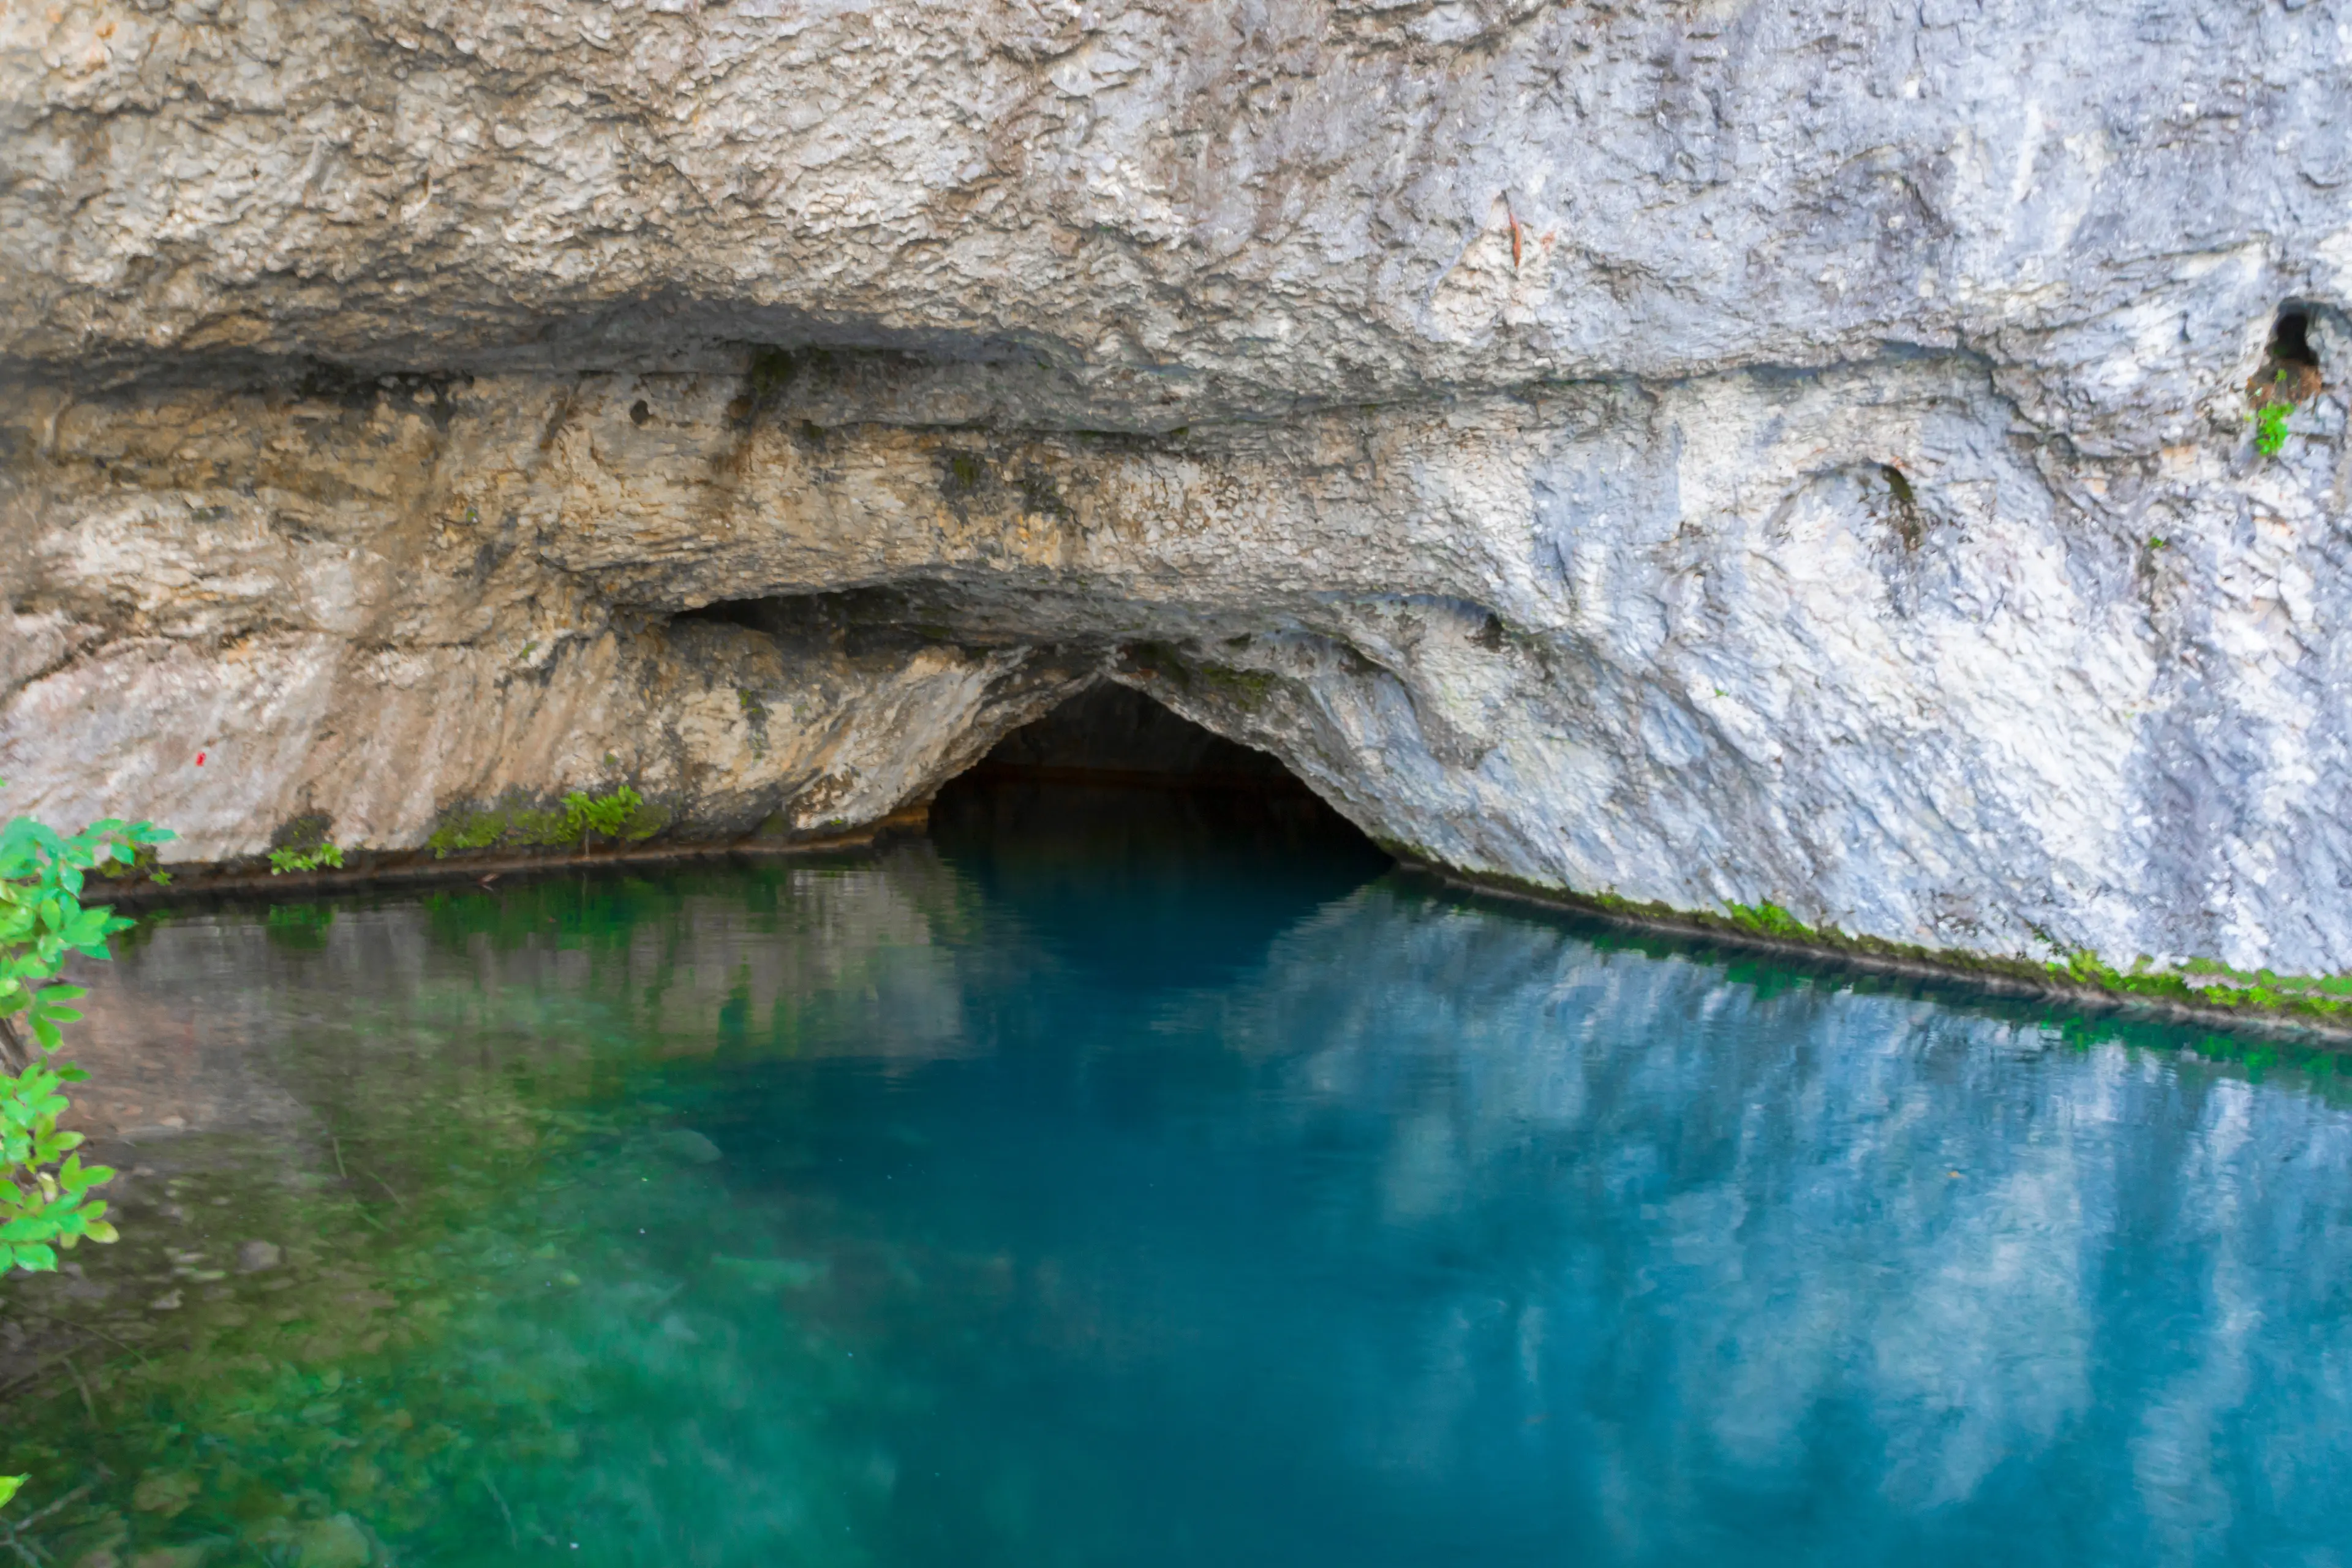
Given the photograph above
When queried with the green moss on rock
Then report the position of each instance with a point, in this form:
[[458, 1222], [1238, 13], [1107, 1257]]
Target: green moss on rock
[[1247, 690], [516, 821], [2196, 985]]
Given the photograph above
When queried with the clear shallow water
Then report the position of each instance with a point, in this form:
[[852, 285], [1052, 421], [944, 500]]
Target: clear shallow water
[[1097, 1189]]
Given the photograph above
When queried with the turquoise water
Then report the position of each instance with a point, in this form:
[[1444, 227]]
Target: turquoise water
[[1100, 1183]]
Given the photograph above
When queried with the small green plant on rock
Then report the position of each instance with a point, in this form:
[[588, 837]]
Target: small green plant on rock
[[2270, 428], [586, 815], [316, 858], [2292, 379]]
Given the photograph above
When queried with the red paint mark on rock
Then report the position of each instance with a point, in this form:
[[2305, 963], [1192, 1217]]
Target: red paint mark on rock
[[200, 759]]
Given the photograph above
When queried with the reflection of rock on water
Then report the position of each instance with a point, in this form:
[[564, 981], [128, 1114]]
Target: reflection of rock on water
[[1870, 1198], [193, 1026], [168, 1053]]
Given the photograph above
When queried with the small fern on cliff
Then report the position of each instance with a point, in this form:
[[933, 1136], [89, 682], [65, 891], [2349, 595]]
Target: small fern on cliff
[[318, 856], [610, 815]]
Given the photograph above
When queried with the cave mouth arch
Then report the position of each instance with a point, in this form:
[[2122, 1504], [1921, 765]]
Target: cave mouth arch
[[1111, 774], [1113, 735]]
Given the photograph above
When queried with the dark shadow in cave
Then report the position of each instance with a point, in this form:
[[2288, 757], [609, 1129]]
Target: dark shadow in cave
[[1091, 821], [1111, 734], [2291, 338]]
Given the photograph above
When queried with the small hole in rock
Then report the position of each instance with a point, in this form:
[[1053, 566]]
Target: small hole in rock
[[2291, 339], [639, 413], [2290, 372]]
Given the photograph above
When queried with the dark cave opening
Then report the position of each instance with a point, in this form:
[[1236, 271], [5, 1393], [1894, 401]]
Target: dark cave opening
[[1113, 735], [2291, 339], [1114, 794]]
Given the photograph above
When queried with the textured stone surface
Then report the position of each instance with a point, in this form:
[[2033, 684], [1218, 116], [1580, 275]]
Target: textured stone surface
[[1702, 453]]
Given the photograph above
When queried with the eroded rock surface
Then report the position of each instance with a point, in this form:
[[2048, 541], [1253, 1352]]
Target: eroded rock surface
[[1700, 454]]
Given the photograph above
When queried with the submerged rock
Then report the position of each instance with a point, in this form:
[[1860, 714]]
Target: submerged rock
[[166, 1492], [191, 1556], [336, 1542], [687, 1145], [1763, 455]]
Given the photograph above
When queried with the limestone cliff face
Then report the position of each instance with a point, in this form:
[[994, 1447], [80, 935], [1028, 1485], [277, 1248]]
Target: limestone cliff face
[[1702, 453]]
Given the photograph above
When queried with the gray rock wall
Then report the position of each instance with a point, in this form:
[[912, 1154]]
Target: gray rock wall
[[1698, 453]]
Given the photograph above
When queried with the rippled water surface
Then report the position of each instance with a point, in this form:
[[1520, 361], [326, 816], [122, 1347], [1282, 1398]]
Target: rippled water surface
[[1086, 1186]]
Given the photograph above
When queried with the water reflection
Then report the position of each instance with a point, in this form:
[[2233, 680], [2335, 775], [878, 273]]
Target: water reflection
[[1018, 1201], [1978, 1265]]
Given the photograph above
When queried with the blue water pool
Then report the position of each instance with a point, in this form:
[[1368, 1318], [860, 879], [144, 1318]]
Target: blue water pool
[[1149, 1187]]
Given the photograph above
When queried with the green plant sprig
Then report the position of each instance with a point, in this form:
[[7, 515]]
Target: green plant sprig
[[609, 815], [2269, 427], [44, 1186], [282, 862]]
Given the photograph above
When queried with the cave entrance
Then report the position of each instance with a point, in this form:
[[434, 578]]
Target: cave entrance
[[1111, 813], [1114, 736]]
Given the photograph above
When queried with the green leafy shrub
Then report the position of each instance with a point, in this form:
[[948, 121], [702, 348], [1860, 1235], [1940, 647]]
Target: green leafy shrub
[[320, 855], [45, 1201], [44, 1188]]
